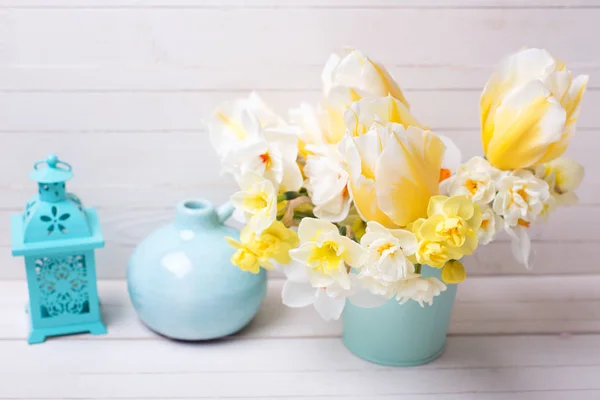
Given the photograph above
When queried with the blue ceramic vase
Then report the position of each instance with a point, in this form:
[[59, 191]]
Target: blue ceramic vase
[[181, 280], [400, 334]]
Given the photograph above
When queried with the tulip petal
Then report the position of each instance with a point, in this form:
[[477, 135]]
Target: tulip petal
[[407, 174], [526, 123], [571, 104], [364, 195]]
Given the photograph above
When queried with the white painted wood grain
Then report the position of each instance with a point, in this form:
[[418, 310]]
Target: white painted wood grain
[[304, 3], [217, 37], [322, 368], [499, 305], [292, 354], [119, 88], [173, 159], [173, 78]]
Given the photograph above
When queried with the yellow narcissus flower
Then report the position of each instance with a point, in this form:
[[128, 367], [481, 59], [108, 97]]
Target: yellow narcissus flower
[[255, 251], [453, 221], [393, 172], [431, 252], [529, 108], [453, 272]]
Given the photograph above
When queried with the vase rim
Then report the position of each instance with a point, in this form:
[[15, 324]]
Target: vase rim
[[192, 212]]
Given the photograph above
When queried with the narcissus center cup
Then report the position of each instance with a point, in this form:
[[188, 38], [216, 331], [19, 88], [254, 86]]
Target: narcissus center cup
[[400, 334]]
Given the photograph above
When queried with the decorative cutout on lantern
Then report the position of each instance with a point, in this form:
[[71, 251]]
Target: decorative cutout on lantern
[[57, 236]]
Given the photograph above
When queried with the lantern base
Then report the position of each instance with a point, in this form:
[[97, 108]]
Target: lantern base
[[39, 335]]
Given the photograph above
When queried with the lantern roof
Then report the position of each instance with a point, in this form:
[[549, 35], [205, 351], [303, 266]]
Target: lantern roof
[[51, 170], [54, 219]]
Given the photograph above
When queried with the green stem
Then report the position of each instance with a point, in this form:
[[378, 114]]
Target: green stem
[[417, 268], [288, 196]]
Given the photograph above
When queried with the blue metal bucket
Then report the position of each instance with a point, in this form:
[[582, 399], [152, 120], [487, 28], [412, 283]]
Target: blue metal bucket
[[400, 334]]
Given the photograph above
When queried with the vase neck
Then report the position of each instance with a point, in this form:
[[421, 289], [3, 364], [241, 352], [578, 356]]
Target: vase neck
[[196, 214]]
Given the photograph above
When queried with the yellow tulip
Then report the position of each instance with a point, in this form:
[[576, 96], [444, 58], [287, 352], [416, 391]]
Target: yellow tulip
[[393, 172], [348, 76], [362, 114], [529, 109], [364, 77]]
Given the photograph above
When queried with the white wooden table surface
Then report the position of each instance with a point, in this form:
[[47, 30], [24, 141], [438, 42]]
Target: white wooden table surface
[[507, 341]]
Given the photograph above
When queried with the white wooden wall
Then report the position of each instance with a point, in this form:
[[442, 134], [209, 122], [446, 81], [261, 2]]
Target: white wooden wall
[[118, 88]]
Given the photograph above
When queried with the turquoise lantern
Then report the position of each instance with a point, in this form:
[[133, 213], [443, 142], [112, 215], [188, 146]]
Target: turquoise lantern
[[57, 236]]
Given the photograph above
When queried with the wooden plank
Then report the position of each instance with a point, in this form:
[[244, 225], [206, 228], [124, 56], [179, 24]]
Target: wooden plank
[[385, 4], [557, 258], [171, 165], [582, 394], [173, 111], [187, 36], [485, 305], [128, 369], [127, 227], [170, 78]]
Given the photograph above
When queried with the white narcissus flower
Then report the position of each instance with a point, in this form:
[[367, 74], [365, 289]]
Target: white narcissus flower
[[387, 260], [326, 183], [233, 123], [326, 255], [529, 109], [422, 290], [298, 292], [521, 198], [490, 224], [248, 135], [564, 176], [257, 200], [476, 179], [272, 155]]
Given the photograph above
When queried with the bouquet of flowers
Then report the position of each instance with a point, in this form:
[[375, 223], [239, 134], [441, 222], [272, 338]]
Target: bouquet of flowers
[[354, 196]]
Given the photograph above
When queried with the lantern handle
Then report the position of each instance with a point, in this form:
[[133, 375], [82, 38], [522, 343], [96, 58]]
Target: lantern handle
[[53, 162]]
